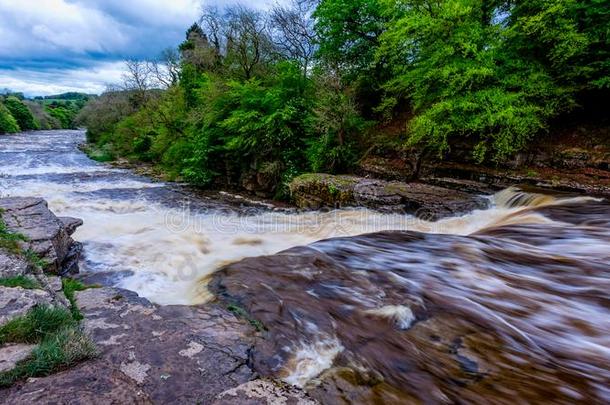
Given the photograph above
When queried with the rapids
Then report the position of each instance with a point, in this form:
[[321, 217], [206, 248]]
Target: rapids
[[158, 239], [503, 304]]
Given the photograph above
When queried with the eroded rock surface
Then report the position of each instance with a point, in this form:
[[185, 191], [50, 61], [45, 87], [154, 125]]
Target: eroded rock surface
[[427, 201], [148, 354], [11, 265], [264, 392], [10, 355], [18, 301]]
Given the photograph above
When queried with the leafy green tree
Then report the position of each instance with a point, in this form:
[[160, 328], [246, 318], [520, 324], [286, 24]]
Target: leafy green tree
[[339, 128], [21, 113], [349, 31], [8, 124], [450, 59]]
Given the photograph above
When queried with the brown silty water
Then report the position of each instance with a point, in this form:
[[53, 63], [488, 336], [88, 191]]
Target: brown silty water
[[518, 311]]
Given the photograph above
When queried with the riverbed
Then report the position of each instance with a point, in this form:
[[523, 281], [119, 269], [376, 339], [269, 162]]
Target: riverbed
[[506, 304]]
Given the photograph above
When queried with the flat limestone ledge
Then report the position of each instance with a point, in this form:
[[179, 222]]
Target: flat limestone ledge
[[430, 202], [148, 354]]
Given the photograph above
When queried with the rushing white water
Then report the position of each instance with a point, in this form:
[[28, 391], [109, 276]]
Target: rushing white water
[[157, 242]]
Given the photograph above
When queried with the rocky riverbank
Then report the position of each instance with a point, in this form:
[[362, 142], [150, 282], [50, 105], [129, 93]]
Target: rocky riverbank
[[144, 353]]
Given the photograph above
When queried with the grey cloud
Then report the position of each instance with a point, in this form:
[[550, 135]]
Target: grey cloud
[[54, 41]]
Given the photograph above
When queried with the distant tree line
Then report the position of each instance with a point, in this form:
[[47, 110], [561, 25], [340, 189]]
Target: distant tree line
[[254, 97], [17, 113]]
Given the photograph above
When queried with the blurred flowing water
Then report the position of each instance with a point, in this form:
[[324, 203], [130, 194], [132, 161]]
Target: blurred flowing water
[[504, 304]]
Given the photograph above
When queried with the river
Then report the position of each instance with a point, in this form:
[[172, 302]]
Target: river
[[519, 291]]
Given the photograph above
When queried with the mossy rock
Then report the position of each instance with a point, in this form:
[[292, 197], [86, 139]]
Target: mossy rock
[[316, 190]]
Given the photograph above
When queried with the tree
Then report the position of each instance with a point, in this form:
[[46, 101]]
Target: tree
[[8, 124], [137, 80], [450, 58], [21, 113], [348, 32], [249, 45], [293, 32], [165, 70]]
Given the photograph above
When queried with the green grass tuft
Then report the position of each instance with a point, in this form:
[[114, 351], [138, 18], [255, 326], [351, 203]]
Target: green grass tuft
[[29, 283], [9, 240], [56, 352], [37, 324], [70, 287], [242, 313]]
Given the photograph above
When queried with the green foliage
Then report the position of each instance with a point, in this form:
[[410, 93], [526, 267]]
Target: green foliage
[[44, 119], [63, 111], [340, 128], [21, 113], [240, 312], [495, 72], [240, 109], [349, 31], [29, 283], [8, 124]]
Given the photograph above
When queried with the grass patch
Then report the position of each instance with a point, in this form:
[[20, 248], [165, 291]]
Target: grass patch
[[56, 352], [242, 313], [36, 325], [35, 260], [102, 155], [9, 240], [70, 287], [29, 283], [61, 343]]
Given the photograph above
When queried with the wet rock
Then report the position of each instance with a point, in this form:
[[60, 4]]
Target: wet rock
[[148, 354], [405, 317], [47, 235], [386, 168], [70, 224], [18, 301], [425, 200], [264, 392], [10, 355]]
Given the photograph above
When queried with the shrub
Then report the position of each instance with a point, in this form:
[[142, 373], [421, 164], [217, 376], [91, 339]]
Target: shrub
[[29, 283], [21, 113], [8, 124]]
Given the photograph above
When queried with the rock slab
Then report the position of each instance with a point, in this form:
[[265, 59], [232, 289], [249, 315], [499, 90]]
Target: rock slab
[[429, 202], [148, 354], [47, 235]]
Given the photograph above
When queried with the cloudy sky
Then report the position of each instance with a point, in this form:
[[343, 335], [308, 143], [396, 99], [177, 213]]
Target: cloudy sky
[[52, 46]]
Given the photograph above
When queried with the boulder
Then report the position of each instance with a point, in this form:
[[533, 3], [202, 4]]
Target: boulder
[[47, 235], [70, 224], [424, 200]]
